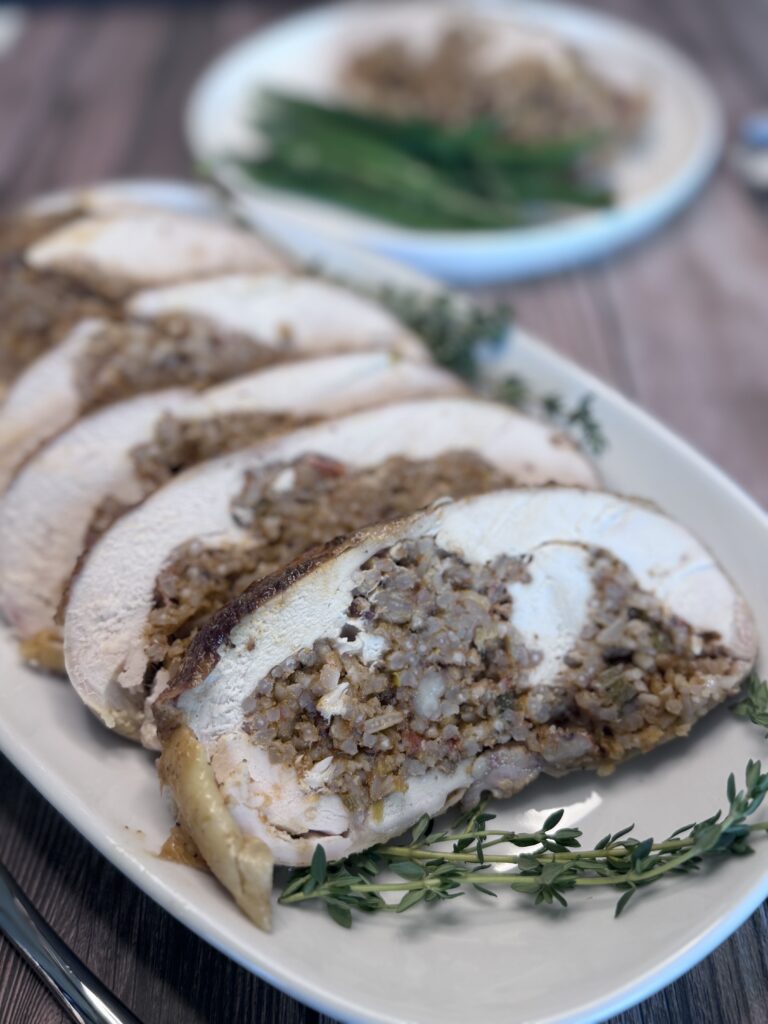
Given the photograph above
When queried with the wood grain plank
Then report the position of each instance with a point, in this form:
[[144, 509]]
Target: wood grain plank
[[701, 366], [29, 76], [95, 112], [196, 35], [157, 146], [694, 310]]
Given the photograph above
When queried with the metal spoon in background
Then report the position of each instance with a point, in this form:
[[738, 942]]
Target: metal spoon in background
[[80, 992], [750, 154]]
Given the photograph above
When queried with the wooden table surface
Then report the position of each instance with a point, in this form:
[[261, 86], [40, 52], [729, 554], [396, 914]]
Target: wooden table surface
[[680, 323]]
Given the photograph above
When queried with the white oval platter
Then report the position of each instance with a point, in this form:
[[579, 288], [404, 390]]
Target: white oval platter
[[502, 962]]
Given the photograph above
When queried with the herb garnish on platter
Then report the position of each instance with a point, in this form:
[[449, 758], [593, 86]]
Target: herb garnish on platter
[[417, 172], [452, 325], [579, 420], [544, 865], [453, 328]]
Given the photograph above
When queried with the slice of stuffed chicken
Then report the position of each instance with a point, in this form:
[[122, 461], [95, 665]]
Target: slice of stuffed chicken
[[77, 485], [465, 649], [121, 251], [163, 568], [59, 267], [193, 334]]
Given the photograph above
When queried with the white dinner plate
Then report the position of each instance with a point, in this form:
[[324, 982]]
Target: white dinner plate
[[496, 961], [303, 53]]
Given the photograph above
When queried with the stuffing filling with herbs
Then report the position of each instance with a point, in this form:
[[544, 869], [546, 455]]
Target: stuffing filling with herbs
[[429, 671], [637, 675], [178, 443], [286, 509], [37, 307], [131, 357]]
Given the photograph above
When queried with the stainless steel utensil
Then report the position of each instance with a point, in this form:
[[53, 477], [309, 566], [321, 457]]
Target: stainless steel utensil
[[750, 154], [79, 991]]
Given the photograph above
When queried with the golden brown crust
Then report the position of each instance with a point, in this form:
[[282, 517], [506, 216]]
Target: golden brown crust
[[242, 863], [203, 653], [45, 650]]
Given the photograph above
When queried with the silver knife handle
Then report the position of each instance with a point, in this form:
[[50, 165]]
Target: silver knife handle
[[79, 991]]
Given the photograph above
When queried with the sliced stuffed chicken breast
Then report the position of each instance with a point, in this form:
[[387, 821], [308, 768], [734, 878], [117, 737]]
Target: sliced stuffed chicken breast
[[61, 266], [467, 648], [191, 335], [294, 315], [120, 251], [163, 568], [76, 486]]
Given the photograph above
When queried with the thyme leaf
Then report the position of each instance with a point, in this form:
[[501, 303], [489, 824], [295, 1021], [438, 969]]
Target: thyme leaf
[[543, 865], [755, 704], [579, 420], [452, 326]]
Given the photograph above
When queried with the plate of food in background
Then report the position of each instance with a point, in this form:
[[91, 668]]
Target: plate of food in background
[[476, 141]]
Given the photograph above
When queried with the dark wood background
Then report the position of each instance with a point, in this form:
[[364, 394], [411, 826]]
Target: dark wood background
[[680, 324]]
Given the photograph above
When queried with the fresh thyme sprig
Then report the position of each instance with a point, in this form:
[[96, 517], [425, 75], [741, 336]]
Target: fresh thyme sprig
[[579, 420], [543, 865], [453, 327], [755, 704]]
